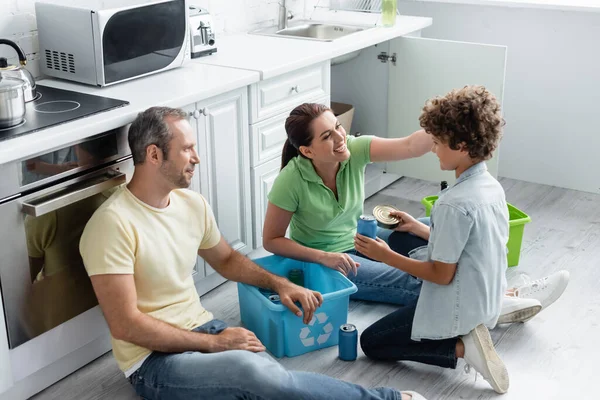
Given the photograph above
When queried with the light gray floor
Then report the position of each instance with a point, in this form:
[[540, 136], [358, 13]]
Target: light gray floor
[[553, 356]]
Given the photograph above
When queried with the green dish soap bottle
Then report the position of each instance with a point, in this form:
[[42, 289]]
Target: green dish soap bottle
[[388, 12]]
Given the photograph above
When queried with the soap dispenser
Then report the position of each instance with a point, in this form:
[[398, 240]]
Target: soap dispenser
[[388, 12]]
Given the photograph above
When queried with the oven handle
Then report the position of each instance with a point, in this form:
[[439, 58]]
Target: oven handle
[[90, 188]]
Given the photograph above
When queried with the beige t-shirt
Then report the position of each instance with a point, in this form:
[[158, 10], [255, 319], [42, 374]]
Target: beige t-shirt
[[159, 247]]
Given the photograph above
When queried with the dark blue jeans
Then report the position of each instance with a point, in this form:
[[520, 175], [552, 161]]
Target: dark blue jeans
[[238, 374], [390, 338]]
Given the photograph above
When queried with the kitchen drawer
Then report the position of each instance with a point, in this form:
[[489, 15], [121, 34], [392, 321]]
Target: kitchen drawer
[[273, 96], [267, 137]]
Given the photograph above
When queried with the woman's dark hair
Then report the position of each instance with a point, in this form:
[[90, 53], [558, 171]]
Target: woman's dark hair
[[297, 127]]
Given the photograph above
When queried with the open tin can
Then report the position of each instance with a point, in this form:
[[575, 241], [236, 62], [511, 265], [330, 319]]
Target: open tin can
[[383, 217]]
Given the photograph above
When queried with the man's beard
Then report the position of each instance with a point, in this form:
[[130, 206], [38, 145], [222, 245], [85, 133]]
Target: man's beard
[[177, 178]]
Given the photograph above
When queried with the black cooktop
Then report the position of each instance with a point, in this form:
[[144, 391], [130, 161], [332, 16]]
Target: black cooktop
[[57, 106]]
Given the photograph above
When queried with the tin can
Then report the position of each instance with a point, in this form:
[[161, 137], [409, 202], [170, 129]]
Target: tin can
[[367, 226], [266, 292], [275, 299], [383, 217], [348, 342], [296, 276]]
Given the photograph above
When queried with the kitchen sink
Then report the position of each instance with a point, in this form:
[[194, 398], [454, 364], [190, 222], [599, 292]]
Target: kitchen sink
[[311, 30]]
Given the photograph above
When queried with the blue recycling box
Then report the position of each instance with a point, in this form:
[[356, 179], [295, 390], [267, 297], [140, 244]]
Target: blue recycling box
[[285, 334]]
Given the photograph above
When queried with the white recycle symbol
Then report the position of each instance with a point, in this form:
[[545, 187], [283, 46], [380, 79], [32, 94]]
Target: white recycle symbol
[[305, 332]]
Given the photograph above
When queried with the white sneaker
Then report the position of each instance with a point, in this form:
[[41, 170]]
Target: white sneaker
[[414, 395], [481, 355], [516, 309], [546, 290]]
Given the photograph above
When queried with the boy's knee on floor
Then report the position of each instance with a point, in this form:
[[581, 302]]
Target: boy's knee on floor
[[367, 342]]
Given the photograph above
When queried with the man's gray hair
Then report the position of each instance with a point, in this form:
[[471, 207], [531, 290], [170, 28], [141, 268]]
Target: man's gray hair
[[149, 128]]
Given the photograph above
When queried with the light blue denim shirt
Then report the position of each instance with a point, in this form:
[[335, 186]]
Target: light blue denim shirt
[[469, 226]]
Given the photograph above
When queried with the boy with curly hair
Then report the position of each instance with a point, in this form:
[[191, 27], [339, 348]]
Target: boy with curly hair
[[463, 264]]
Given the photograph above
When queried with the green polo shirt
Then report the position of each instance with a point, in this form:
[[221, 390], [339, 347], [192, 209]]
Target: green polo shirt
[[321, 221]]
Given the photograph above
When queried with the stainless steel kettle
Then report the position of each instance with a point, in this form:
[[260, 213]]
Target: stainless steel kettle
[[19, 72]]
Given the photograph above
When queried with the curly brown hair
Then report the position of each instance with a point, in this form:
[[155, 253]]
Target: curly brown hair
[[469, 116]]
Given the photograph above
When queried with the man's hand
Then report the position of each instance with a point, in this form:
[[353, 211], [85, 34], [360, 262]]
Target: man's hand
[[341, 262], [375, 249], [236, 339], [310, 300]]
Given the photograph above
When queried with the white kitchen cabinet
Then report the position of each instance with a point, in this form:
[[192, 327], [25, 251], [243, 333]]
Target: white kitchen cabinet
[[223, 176], [199, 270], [263, 177], [389, 96], [282, 93], [223, 145], [267, 137]]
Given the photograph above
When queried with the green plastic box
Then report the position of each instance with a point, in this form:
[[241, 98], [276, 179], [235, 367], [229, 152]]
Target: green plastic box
[[516, 222]]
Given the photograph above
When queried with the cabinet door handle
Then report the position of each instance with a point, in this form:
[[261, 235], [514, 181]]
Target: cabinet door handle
[[295, 88], [195, 114], [205, 111]]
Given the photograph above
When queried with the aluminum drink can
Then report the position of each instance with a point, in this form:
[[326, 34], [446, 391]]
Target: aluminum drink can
[[348, 342], [367, 226], [296, 276]]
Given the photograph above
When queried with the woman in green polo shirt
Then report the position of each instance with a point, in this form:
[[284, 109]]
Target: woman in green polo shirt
[[319, 194]]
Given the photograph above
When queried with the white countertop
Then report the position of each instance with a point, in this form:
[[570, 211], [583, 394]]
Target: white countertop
[[175, 88], [250, 58], [272, 56]]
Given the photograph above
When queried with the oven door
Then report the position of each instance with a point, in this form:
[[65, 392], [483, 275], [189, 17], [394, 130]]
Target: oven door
[[42, 276], [140, 40]]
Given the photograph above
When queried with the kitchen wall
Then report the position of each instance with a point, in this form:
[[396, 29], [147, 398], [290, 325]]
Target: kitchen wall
[[552, 90], [18, 23]]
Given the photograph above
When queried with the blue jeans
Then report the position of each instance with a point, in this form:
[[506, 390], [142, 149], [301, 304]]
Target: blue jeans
[[238, 374], [381, 283], [389, 338]]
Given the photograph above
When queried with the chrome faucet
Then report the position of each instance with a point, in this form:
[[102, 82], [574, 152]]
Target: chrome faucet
[[283, 15]]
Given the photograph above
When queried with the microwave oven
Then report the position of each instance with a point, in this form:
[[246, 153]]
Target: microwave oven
[[103, 42]]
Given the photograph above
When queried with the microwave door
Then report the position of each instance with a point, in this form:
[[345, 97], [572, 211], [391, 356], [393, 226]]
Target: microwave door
[[97, 34], [141, 40]]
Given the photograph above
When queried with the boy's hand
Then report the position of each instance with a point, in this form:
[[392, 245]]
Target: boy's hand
[[374, 249], [407, 222]]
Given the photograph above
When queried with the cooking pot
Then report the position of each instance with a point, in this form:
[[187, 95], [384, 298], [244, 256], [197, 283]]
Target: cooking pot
[[12, 102], [15, 71]]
